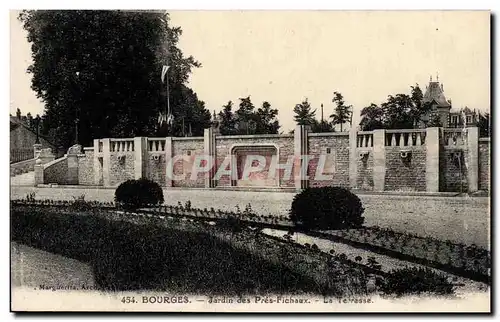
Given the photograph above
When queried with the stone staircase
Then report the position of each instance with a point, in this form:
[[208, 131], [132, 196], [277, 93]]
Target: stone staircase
[[25, 179]]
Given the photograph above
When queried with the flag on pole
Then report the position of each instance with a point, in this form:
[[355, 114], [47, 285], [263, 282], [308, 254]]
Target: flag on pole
[[164, 72], [170, 119], [161, 118]]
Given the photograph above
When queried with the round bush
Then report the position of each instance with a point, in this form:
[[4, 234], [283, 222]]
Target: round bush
[[411, 281], [326, 208], [133, 194]]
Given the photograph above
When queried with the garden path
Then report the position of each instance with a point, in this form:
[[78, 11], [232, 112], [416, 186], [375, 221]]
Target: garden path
[[388, 263], [459, 219]]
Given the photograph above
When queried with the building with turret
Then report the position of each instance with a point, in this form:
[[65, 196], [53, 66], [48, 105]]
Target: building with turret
[[448, 116]]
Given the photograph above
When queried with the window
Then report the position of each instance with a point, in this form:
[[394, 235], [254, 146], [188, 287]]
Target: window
[[188, 152], [454, 119], [328, 150], [469, 119]]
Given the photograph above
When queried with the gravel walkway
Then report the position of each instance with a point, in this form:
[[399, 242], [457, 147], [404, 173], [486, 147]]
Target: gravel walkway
[[460, 219], [35, 268]]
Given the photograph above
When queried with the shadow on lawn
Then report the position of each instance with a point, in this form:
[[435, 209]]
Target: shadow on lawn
[[125, 256]]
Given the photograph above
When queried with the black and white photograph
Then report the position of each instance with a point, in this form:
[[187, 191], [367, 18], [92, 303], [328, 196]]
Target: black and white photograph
[[250, 161]]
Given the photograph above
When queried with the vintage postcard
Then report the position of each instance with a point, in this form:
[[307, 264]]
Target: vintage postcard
[[250, 161]]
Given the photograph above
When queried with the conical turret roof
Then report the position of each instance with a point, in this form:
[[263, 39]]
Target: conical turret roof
[[434, 94]]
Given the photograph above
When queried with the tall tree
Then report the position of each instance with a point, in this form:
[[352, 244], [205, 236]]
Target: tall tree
[[102, 68], [483, 123], [400, 111], [418, 108], [246, 118], [29, 120], [304, 115], [227, 120], [267, 119], [342, 112], [245, 109], [372, 118], [397, 112]]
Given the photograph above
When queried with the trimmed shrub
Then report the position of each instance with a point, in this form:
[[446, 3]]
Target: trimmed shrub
[[133, 194], [413, 281], [326, 208], [80, 204]]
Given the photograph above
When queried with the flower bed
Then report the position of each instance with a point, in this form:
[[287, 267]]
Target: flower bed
[[155, 252], [467, 260], [374, 239], [184, 210]]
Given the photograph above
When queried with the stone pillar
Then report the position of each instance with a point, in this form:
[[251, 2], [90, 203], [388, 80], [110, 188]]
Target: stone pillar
[[106, 166], [209, 151], [72, 159], [38, 172], [140, 157], [353, 158], [473, 158], [36, 150], [301, 150], [378, 160], [432, 145], [45, 156], [168, 161], [97, 165]]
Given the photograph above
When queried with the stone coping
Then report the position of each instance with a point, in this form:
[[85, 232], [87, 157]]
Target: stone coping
[[328, 134], [187, 138], [255, 136], [48, 164], [406, 147], [24, 162]]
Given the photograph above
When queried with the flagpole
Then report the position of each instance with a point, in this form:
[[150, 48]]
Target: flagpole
[[169, 131], [167, 116], [168, 96]]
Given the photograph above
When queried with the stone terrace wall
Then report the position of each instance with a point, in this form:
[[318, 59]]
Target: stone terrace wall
[[56, 171], [121, 170], [86, 175], [189, 148], [156, 162], [484, 164], [335, 149], [453, 162], [432, 160], [364, 161], [405, 160], [404, 175], [283, 143], [121, 161]]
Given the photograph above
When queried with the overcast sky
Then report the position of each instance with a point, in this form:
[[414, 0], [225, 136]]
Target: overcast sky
[[285, 56]]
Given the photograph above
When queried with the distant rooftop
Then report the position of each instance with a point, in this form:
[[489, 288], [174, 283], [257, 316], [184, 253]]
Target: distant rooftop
[[434, 93]]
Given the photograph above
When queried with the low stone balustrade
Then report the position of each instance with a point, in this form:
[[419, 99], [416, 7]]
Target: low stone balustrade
[[156, 144], [402, 138]]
